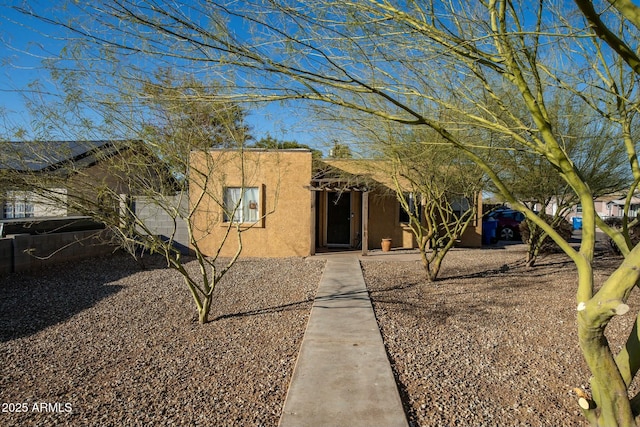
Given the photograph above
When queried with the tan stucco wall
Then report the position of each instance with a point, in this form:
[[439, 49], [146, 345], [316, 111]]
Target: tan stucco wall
[[384, 222], [384, 219], [472, 237], [282, 177], [384, 208]]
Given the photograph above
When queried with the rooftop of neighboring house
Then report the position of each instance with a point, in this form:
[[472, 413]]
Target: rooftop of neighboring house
[[618, 198], [36, 156]]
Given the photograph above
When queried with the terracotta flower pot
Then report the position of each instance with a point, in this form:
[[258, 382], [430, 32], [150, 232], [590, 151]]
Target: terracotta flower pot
[[386, 245]]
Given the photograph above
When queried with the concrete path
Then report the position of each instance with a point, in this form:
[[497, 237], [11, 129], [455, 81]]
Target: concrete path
[[342, 376]]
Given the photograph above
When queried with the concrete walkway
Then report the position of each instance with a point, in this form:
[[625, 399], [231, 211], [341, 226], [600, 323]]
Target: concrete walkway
[[342, 376]]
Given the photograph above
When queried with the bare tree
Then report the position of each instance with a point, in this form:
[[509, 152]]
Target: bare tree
[[181, 119], [437, 187]]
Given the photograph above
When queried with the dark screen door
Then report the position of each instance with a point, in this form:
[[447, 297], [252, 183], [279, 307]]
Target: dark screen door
[[339, 219]]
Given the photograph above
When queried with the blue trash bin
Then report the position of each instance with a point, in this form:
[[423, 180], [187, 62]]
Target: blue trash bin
[[577, 223], [489, 229]]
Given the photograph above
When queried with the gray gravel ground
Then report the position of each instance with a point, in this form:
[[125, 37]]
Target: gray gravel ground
[[101, 343], [492, 343]]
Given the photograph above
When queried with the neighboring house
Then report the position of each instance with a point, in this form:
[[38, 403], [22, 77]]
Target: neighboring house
[[609, 206], [65, 169], [73, 190], [288, 210], [614, 207], [56, 159]]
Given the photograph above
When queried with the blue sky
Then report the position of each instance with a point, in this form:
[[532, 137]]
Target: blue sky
[[21, 51], [25, 42]]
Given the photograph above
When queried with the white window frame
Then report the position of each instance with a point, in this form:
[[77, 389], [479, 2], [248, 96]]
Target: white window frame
[[242, 205], [18, 208]]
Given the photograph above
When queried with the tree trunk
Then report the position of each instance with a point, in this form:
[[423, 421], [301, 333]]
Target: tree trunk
[[612, 405], [203, 313], [611, 378], [426, 263], [531, 260], [433, 264]]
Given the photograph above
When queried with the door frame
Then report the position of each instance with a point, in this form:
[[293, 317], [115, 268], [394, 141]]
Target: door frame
[[327, 202]]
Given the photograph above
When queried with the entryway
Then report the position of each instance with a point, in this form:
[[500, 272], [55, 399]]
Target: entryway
[[339, 219]]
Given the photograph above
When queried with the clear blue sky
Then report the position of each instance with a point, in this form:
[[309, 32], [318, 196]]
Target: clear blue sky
[[25, 42]]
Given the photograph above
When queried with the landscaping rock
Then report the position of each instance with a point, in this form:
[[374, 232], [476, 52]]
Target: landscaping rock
[[102, 343]]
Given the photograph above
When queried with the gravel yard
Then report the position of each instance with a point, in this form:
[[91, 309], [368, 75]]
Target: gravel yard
[[101, 342], [492, 343]]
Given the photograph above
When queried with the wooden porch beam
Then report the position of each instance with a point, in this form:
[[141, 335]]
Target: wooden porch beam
[[365, 222]]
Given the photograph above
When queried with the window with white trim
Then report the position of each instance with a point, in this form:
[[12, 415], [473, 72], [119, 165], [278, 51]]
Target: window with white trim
[[241, 205], [17, 209]]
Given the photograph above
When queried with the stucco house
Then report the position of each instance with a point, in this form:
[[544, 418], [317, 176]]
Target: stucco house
[[285, 205], [607, 206], [37, 228], [613, 206], [49, 188]]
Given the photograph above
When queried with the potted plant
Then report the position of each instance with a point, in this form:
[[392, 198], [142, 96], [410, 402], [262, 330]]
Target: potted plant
[[386, 244]]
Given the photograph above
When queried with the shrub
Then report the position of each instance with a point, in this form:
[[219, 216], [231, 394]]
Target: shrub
[[634, 233], [548, 245]]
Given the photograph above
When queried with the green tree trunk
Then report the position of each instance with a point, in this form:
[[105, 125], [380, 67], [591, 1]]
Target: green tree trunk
[[610, 404], [613, 407], [203, 312]]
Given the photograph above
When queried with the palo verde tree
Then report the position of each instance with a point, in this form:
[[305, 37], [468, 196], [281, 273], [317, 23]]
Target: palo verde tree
[[153, 173], [437, 65], [183, 117], [437, 187], [585, 137], [439, 190]]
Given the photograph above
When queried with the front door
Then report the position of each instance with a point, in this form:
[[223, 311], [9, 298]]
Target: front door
[[339, 219]]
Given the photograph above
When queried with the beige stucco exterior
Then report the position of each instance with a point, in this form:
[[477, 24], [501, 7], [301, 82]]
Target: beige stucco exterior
[[383, 222], [284, 225], [384, 208], [295, 217]]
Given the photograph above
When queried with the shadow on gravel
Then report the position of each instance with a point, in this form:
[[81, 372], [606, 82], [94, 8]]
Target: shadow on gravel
[[277, 309], [385, 295], [31, 302], [489, 272], [403, 299], [435, 303]]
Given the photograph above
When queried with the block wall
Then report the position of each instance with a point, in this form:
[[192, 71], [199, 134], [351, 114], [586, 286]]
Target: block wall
[[25, 252]]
